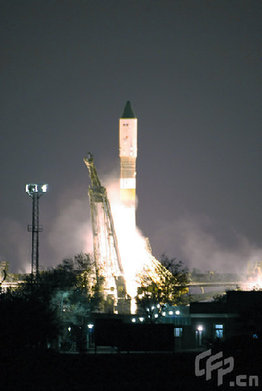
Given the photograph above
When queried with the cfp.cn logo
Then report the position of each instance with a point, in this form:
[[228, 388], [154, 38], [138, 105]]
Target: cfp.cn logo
[[208, 364]]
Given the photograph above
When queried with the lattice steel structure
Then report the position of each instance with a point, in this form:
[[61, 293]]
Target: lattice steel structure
[[35, 192], [105, 245]]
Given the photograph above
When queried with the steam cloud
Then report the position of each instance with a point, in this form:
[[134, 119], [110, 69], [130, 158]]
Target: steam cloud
[[70, 232], [193, 240], [15, 248], [196, 240]]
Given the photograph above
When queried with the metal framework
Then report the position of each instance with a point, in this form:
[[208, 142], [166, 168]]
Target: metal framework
[[35, 192], [105, 245]]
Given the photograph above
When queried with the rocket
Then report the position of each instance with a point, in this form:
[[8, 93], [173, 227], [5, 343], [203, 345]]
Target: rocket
[[128, 155]]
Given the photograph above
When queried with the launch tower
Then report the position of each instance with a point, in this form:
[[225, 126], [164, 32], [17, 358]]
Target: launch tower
[[105, 245]]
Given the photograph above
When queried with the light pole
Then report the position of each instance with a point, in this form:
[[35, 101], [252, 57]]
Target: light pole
[[200, 329], [35, 192]]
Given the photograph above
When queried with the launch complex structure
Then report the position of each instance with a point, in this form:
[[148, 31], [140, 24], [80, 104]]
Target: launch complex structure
[[112, 263], [105, 245]]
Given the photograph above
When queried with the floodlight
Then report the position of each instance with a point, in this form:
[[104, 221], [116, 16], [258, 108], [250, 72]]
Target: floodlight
[[33, 188]]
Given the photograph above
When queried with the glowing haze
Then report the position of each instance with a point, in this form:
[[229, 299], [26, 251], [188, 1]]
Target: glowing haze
[[133, 248]]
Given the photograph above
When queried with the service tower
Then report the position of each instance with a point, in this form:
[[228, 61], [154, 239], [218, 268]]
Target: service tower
[[128, 154]]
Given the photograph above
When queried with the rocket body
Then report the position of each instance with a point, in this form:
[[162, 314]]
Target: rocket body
[[128, 155]]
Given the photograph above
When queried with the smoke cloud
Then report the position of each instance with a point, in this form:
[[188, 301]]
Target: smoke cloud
[[203, 244], [196, 240], [15, 246], [66, 233], [70, 232]]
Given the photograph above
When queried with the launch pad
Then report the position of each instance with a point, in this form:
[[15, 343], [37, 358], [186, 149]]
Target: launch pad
[[120, 252]]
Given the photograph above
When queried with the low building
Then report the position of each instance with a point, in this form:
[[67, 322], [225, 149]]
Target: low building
[[237, 315]]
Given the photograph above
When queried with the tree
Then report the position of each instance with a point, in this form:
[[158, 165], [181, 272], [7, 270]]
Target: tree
[[60, 298], [167, 286], [77, 295], [26, 322]]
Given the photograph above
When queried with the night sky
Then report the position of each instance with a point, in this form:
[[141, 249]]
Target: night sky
[[192, 70]]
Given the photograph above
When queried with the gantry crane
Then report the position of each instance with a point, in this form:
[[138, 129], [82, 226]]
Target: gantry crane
[[105, 245]]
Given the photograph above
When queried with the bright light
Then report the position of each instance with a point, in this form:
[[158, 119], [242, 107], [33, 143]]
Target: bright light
[[158, 305], [156, 315], [152, 308], [90, 326], [69, 329], [134, 249], [170, 312], [141, 319], [44, 188], [32, 188], [133, 246], [255, 283], [177, 312], [133, 320], [253, 276], [200, 328], [164, 313]]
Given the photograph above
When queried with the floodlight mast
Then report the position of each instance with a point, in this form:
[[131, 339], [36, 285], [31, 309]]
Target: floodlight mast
[[35, 191]]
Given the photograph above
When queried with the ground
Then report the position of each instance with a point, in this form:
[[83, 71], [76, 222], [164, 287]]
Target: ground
[[128, 371]]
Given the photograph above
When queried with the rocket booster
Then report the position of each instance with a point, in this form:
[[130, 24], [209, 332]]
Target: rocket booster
[[128, 154]]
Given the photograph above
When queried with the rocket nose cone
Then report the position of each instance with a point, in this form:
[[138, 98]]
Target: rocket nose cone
[[128, 112]]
